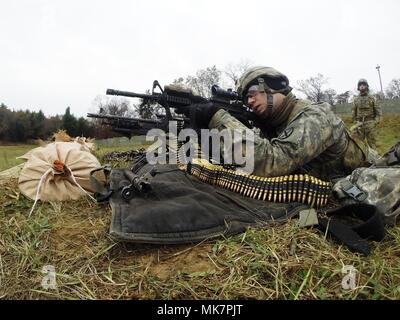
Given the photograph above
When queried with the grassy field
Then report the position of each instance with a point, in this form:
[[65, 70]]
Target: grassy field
[[388, 131], [8, 155], [284, 262], [388, 106]]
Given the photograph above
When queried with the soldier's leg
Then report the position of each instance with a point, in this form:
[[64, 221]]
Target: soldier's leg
[[372, 139], [370, 135], [357, 132], [363, 134]]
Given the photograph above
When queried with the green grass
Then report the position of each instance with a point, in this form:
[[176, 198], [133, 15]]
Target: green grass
[[388, 131], [283, 262], [258, 264], [8, 155], [388, 106]]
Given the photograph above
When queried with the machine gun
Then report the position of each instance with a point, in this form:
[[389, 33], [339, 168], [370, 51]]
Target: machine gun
[[129, 127], [177, 98]]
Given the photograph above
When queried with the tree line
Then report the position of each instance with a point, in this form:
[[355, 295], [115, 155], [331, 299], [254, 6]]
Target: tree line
[[22, 126], [315, 90], [25, 126]]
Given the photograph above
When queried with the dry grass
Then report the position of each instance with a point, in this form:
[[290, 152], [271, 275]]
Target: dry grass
[[283, 262], [259, 264]]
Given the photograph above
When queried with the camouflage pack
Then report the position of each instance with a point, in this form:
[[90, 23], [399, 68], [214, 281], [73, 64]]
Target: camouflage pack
[[378, 185]]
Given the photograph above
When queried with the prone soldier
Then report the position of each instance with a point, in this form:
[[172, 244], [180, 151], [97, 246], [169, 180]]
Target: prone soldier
[[296, 136]]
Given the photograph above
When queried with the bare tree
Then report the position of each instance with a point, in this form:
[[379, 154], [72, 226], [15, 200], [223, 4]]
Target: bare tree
[[343, 97], [233, 71], [113, 106], [147, 110], [393, 89], [329, 95], [313, 87], [203, 80]]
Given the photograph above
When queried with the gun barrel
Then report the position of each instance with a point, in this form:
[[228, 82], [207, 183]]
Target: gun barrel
[[114, 92], [119, 118]]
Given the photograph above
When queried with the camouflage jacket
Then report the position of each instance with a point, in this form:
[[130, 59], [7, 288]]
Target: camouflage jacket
[[313, 140], [366, 108]]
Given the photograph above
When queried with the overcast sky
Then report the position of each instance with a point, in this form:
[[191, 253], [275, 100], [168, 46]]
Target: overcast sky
[[59, 53]]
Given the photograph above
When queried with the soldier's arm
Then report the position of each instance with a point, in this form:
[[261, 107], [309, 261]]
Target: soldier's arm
[[304, 139], [377, 110], [354, 111]]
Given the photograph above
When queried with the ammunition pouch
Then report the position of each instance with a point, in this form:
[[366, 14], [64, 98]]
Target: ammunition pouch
[[179, 208]]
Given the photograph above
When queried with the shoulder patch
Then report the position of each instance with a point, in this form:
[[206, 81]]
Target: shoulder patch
[[286, 134]]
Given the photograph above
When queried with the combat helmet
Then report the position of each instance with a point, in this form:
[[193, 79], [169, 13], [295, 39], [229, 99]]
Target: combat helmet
[[362, 81], [269, 81]]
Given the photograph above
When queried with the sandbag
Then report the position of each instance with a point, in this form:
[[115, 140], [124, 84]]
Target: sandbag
[[57, 172], [79, 143]]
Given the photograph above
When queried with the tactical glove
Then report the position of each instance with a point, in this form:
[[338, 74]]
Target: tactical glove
[[355, 127], [199, 114]]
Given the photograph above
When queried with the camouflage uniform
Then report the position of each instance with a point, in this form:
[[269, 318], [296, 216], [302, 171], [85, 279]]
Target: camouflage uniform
[[312, 140], [366, 116]]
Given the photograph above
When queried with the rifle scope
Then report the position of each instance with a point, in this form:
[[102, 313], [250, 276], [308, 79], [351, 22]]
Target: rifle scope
[[227, 94]]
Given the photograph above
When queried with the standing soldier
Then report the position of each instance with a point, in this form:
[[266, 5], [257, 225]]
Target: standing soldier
[[366, 115]]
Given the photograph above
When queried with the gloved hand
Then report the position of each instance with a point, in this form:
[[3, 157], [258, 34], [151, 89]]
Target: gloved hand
[[355, 127], [199, 114]]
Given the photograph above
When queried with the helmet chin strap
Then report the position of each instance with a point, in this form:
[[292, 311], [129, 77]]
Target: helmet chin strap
[[270, 98]]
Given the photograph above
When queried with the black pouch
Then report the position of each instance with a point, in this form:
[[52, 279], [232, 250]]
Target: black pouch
[[354, 225], [176, 207]]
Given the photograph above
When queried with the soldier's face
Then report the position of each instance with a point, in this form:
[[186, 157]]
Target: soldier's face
[[257, 101], [363, 88]]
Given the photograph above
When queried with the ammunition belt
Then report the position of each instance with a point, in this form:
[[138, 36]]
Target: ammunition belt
[[293, 188]]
